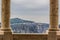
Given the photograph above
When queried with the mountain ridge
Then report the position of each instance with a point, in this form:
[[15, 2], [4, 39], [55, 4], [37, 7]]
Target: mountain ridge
[[18, 20], [25, 26]]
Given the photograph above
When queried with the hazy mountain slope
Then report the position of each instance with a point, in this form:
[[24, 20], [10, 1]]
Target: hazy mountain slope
[[17, 20], [25, 26]]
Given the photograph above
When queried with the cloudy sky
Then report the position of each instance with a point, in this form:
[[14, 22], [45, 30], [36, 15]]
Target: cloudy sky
[[35, 10]]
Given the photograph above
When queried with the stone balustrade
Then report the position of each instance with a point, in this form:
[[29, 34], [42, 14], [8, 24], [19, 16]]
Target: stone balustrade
[[27, 36], [17, 36], [30, 36]]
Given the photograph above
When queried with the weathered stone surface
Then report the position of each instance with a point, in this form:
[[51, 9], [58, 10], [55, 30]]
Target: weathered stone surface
[[30, 36], [5, 15], [52, 34], [53, 15], [5, 26]]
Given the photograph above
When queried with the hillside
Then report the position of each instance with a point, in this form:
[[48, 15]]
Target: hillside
[[25, 26]]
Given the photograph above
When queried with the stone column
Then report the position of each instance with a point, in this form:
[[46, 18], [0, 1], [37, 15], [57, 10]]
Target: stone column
[[53, 29], [53, 15], [5, 26]]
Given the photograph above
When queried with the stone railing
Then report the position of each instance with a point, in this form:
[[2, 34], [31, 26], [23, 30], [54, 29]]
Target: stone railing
[[30, 36], [16, 36]]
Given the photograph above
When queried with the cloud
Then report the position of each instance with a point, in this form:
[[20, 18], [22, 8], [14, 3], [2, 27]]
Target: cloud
[[32, 4], [41, 19], [37, 10], [30, 7]]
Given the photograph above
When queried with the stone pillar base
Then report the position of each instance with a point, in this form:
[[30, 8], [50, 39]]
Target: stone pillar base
[[7, 35], [52, 35], [53, 29], [5, 29]]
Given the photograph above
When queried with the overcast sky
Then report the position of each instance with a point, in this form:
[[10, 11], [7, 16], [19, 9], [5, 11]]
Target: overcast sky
[[35, 10]]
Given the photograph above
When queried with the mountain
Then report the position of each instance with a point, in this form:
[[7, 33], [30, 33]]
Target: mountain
[[25, 26], [17, 20]]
